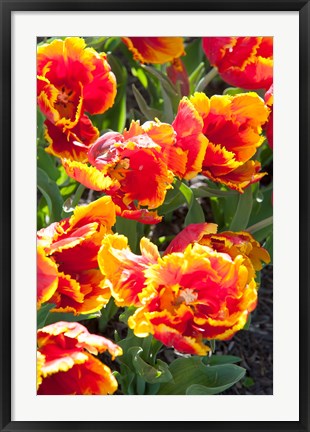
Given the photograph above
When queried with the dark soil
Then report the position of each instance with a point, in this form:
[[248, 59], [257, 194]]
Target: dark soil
[[255, 345]]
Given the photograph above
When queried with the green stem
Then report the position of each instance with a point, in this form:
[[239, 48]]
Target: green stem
[[206, 79], [260, 225], [78, 194]]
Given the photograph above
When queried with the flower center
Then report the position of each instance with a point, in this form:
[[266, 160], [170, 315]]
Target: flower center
[[186, 296], [64, 103]]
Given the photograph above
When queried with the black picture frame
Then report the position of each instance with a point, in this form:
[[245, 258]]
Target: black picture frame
[[7, 7]]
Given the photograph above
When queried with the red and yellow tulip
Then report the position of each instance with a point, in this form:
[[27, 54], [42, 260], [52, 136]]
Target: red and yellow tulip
[[245, 62], [131, 167], [66, 364], [124, 270], [232, 126], [156, 50], [72, 80], [68, 273], [194, 295]]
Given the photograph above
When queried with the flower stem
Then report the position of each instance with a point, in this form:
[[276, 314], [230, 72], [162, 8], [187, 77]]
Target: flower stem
[[206, 79], [78, 193], [260, 225]]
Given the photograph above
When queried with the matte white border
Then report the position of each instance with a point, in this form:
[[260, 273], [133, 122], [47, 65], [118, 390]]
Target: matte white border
[[284, 404]]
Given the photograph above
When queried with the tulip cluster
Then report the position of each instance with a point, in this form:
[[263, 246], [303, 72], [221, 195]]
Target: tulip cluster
[[103, 258]]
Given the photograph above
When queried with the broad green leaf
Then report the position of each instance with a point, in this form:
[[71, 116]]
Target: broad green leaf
[[174, 200], [42, 314], [115, 117], [248, 382], [50, 191], [164, 80], [67, 191], [152, 374], [59, 316], [47, 163], [111, 43], [210, 192], [40, 129], [232, 91], [243, 212], [148, 112], [262, 204], [128, 228], [189, 372], [152, 389], [248, 323], [194, 56], [216, 360], [42, 213], [140, 74], [167, 115], [97, 42], [126, 314], [107, 313], [195, 213]]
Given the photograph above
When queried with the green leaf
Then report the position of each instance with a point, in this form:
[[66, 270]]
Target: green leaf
[[60, 316], [128, 228], [232, 91], [248, 382], [205, 81], [216, 360], [174, 200], [115, 117], [40, 128], [248, 323], [126, 314], [151, 374], [140, 74], [42, 213], [167, 115], [47, 163], [152, 389], [194, 55], [262, 204], [266, 223], [107, 313], [192, 376], [42, 314], [210, 192], [148, 112], [196, 76], [195, 213], [111, 43], [163, 79], [243, 212], [50, 191]]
